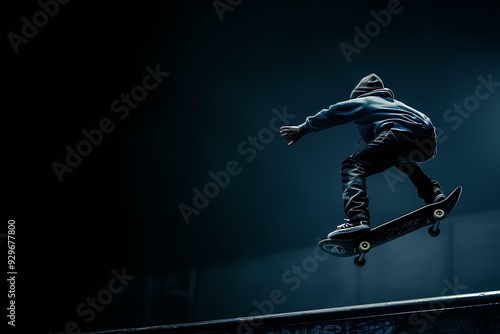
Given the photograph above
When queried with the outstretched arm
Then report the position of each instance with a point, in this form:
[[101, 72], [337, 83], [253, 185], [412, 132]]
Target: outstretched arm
[[338, 114], [290, 134]]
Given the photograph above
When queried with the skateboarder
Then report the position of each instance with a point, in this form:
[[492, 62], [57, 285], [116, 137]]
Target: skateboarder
[[395, 135]]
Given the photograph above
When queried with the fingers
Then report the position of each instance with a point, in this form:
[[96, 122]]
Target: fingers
[[289, 130], [292, 140], [290, 134], [289, 137], [285, 130]]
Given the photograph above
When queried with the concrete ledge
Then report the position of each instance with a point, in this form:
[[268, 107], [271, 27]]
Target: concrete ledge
[[477, 312]]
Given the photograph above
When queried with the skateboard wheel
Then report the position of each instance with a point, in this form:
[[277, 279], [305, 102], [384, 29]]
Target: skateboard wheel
[[364, 246], [434, 233], [438, 214], [358, 262]]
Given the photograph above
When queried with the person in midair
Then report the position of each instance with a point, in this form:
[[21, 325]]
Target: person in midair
[[395, 135]]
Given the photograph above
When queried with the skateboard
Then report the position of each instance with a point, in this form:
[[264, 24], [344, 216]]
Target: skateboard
[[359, 243]]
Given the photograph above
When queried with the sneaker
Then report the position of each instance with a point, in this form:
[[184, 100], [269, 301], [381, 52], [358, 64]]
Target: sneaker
[[350, 227], [438, 198], [438, 195]]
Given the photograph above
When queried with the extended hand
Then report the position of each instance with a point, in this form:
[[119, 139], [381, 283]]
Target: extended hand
[[290, 134]]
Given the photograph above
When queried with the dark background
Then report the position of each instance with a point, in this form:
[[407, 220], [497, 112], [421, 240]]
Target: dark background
[[119, 207]]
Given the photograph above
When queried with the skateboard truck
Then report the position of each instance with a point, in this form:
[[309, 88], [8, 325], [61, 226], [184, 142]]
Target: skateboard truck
[[438, 215], [363, 248]]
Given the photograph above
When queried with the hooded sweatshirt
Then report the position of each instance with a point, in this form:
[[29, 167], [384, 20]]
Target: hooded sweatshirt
[[373, 109]]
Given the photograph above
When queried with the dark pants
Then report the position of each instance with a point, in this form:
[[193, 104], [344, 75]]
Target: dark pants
[[389, 148]]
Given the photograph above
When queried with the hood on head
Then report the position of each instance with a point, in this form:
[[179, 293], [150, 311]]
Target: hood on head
[[367, 84]]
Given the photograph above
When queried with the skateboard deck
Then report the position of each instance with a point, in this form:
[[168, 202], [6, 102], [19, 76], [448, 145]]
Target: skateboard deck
[[359, 243]]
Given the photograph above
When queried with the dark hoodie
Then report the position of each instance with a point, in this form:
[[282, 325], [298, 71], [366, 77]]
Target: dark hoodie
[[373, 109]]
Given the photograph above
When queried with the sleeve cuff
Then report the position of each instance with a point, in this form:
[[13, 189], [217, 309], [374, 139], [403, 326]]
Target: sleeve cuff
[[304, 128]]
